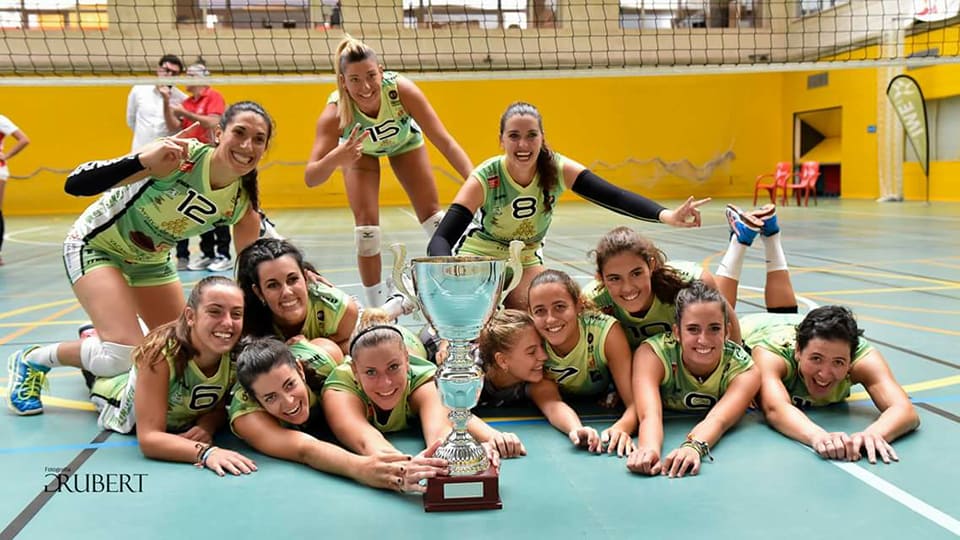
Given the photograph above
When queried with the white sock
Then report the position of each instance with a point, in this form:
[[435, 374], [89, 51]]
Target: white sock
[[775, 258], [45, 356], [431, 224], [732, 263], [376, 295]]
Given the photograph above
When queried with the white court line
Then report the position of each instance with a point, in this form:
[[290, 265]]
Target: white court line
[[12, 237], [938, 517], [409, 213], [918, 506], [805, 301]]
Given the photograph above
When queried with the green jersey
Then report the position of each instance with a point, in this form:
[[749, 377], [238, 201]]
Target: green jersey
[[393, 131], [413, 343], [142, 221], [419, 373], [326, 307], [310, 356], [777, 333], [509, 210], [680, 390], [658, 319], [188, 398], [583, 371]]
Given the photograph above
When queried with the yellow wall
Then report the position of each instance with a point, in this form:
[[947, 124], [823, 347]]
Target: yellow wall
[[596, 121], [855, 92]]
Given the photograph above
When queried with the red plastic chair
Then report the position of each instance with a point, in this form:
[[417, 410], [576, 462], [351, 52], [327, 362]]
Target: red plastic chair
[[806, 184], [780, 178]]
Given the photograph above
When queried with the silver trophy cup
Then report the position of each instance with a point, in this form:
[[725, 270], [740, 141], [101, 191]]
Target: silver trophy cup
[[458, 295]]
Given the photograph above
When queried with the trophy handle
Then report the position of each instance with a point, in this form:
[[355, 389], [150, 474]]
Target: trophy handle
[[399, 275], [516, 267]]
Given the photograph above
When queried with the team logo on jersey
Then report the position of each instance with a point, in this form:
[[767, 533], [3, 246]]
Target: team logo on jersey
[[142, 241], [696, 400], [393, 94], [493, 182]]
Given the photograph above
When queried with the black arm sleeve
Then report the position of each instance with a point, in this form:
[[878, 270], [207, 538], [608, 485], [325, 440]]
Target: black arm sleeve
[[602, 193], [95, 177], [450, 230]]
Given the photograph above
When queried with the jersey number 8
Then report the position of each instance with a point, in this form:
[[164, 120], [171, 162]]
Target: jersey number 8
[[524, 207]]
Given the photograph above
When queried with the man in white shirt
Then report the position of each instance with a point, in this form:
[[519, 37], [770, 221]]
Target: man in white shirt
[[147, 105]]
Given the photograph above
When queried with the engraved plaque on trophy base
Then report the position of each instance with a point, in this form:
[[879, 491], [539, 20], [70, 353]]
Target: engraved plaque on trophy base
[[471, 492]]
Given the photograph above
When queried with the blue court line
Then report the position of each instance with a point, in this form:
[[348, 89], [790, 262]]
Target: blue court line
[[60, 447]]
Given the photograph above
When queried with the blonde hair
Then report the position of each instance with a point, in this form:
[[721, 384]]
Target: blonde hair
[[375, 327], [349, 51], [501, 333]]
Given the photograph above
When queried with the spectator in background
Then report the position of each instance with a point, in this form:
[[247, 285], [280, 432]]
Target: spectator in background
[[148, 105], [8, 128], [202, 110]]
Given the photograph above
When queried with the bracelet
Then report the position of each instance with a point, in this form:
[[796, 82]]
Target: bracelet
[[201, 450], [206, 454], [701, 447]]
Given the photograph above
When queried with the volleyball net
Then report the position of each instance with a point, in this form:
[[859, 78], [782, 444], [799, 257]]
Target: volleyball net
[[118, 38]]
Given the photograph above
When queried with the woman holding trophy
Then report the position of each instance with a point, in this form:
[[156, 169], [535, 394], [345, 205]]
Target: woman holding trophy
[[278, 412], [516, 192], [383, 387]]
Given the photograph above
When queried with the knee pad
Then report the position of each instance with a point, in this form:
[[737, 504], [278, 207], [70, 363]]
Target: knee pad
[[104, 358], [431, 223], [368, 240]]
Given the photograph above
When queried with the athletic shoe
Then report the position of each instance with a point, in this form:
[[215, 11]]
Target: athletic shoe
[[220, 264], [768, 215], [86, 330], [407, 305], [267, 228], [200, 264], [183, 263], [398, 305], [743, 225], [24, 384]]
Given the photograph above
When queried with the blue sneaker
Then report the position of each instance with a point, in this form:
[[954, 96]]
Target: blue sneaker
[[768, 215], [743, 225], [24, 384]]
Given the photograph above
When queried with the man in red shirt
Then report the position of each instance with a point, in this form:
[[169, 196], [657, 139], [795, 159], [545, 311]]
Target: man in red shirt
[[204, 106]]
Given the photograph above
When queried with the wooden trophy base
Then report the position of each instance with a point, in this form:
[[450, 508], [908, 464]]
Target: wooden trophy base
[[474, 492]]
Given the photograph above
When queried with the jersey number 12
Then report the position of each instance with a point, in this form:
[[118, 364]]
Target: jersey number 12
[[197, 207]]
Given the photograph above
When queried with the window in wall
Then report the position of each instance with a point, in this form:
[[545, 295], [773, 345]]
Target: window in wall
[[488, 14], [666, 14], [53, 14], [810, 7], [258, 13]]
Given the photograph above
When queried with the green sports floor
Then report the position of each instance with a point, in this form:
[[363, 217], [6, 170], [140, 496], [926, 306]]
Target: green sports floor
[[896, 264]]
